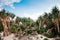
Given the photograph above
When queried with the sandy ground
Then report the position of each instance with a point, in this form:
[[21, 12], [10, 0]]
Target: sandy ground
[[35, 37]]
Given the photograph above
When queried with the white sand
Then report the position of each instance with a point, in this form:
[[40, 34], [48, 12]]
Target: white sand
[[36, 37]]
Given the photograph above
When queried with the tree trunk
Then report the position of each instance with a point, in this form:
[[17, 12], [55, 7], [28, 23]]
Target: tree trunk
[[5, 28], [40, 24], [57, 23], [8, 24]]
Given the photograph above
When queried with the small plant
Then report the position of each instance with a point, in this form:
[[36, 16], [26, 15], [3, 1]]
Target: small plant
[[1, 27], [51, 34], [41, 37], [14, 28], [42, 30], [29, 31], [45, 39], [59, 34], [39, 31]]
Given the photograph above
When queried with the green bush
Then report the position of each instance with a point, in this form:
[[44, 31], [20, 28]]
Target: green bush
[[39, 32], [1, 27], [22, 27], [42, 30], [29, 31], [59, 34], [45, 39], [51, 34], [14, 28]]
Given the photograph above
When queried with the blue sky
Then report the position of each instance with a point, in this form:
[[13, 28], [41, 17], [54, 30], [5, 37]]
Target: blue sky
[[29, 8]]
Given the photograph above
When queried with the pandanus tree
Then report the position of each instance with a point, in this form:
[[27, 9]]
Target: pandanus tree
[[26, 22], [3, 18], [40, 20], [15, 25], [55, 14], [10, 21], [45, 19], [52, 21], [18, 19]]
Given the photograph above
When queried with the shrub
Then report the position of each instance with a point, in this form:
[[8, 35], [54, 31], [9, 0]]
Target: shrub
[[51, 34], [45, 39], [39, 32], [1, 27], [59, 34], [29, 31], [22, 27], [42, 30], [14, 28]]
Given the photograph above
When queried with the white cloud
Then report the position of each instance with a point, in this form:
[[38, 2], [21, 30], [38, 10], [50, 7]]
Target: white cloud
[[33, 16], [1, 8], [8, 3], [12, 6], [58, 5]]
